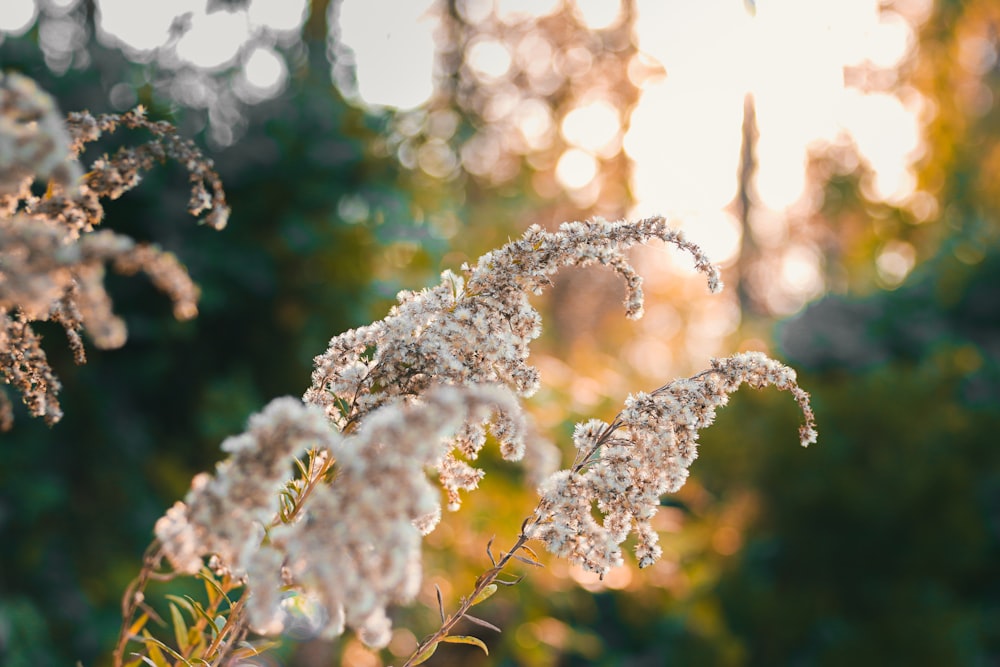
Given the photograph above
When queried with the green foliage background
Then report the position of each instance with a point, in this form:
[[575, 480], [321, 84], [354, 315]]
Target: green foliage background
[[878, 546]]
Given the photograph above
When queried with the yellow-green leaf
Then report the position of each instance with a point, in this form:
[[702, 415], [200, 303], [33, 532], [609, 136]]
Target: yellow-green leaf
[[155, 656], [534, 556], [484, 594], [139, 624], [180, 627], [182, 602], [156, 648], [465, 639], [425, 655]]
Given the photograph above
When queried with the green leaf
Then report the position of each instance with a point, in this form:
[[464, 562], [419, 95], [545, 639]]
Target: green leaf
[[484, 594], [200, 611], [213, 587], [465, 639], [425, 655], [180, 627], [156, 648], [302, 467], [183, 602], [138, 625]]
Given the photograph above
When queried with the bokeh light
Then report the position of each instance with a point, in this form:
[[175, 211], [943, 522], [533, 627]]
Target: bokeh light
[[17, 16], [393, 45]]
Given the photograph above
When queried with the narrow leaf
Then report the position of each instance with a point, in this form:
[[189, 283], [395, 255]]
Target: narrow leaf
[[437, 589], [489, 551], [425, 655], [465, 639], [525, 547], [302, 467], [479, 621], [200, 611], [212, 586], [139, 624], [180, 627], [183, 602], [155, 646], [528, 561], [484, 594]]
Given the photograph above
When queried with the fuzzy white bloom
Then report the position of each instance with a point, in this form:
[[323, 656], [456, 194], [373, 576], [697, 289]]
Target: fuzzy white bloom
[[33, 139], [418, 392], [357, 547], [53, 261], [226, 514], [627, 466], [475, 329]]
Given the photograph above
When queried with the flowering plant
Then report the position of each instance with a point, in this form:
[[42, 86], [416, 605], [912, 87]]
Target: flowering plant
[[417, 392], [317, 515]]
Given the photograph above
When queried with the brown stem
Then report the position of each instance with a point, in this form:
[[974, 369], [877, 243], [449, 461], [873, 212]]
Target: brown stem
[[484, 580], [133, 598], [314, 479], [490, 575], [233, 628]]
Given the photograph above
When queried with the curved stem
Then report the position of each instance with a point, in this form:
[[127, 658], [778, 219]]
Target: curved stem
[[484, 580], [132, 598]]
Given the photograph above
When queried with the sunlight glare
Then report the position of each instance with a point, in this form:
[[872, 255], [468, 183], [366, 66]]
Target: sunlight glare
[[534, 122], [799, 278], [593, 127], [515, 11], [265, 70], [488, 58], [799, 100], [17, 16], [598, 14], [576, 168], [717, 233], [280, 15], [895, 262], [890, 40], [888, 135], [141, 25], [393, 44], [681, 140], [214, 40]]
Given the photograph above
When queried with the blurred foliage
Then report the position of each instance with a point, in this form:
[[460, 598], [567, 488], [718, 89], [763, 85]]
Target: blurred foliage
[[327, 232], [876, 546]]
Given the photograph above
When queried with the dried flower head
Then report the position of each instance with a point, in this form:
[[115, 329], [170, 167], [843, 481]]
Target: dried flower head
[[623, 468], [475, 329], [52, 262], [417, 393], [34, 142]]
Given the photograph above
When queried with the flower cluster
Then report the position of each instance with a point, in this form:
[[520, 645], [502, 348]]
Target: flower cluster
[[33, 138], [625, 467], [52, 261], [475, 329], [407, 395], [355, 548]]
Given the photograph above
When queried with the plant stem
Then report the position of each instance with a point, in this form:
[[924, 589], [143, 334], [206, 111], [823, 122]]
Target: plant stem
[[484, 580]]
